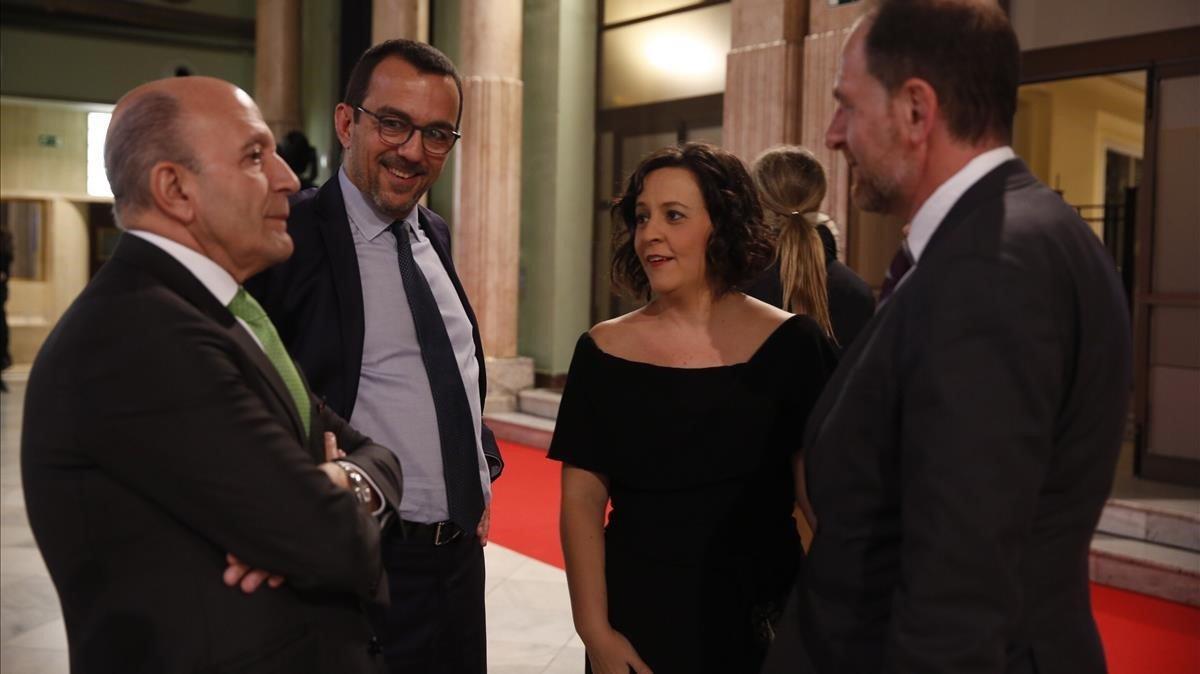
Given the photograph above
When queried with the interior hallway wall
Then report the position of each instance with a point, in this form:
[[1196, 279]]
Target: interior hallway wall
[[100, 69], [1052, 23], [559, 63], [320, 32], [444, 34], [57, 177]]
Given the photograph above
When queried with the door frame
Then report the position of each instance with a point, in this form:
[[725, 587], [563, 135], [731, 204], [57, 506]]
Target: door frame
[[1159, 54], [1155, 467]]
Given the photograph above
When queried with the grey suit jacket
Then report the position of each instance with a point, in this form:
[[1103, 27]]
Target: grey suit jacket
[[960, 456]]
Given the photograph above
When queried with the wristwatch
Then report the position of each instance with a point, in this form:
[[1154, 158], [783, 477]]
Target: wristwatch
[[358, 483]]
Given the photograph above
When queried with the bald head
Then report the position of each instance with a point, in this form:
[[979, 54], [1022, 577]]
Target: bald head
[[154, 123]]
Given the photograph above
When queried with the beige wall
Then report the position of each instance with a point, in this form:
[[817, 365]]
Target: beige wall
[[1052, 23], [1063, 129], [30, 166], [35, 306], [56, 176]]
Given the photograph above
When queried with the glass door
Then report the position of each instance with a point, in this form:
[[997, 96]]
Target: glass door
[[1167, 285]]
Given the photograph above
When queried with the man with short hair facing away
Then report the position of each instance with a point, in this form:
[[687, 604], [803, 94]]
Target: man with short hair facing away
[[961, 454], [374, 312], [172, 459]]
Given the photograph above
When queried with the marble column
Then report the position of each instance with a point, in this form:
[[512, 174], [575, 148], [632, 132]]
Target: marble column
[[828, 29], [277, 62], [867, 241], [763, 90], [487, 199], [392, 19]]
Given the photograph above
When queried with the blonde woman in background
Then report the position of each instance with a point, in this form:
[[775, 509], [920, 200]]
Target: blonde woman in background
[[807, 277]]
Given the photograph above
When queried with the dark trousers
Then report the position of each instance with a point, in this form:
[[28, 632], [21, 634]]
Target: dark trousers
[[435, 622]]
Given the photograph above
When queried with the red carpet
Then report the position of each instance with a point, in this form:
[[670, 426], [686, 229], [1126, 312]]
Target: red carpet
[[525, 504], [1142, 635]]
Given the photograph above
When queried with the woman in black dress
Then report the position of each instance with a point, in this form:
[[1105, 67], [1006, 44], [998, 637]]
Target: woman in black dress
[[687, 415]]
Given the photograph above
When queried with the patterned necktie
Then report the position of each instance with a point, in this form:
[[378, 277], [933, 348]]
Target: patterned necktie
[[456, 428], [244, 306], [901, 264]]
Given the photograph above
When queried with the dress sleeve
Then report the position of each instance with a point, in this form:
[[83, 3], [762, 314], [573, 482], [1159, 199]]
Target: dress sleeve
[[579, 438]]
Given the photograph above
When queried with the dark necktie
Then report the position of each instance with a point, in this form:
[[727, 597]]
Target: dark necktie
[[901, 264], [456, 428]]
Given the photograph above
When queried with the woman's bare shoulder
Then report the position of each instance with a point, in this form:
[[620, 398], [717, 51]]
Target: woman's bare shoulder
[[616, 334], [765, 317]]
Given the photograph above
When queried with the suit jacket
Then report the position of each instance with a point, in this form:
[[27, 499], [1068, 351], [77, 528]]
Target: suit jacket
[[316, 301], [960, 456], [157, 438]]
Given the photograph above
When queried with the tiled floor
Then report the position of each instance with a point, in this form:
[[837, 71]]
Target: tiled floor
[[528, 611]]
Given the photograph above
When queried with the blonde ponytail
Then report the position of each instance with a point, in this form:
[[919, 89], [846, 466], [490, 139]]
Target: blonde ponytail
[[791, 184]]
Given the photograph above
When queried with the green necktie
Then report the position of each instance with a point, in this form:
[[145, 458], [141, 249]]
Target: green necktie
[[245, 307]]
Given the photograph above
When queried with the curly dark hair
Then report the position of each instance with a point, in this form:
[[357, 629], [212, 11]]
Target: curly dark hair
[[741, 245]]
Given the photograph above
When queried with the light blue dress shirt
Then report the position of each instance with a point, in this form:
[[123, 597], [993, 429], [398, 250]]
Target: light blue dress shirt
[[394, 404]]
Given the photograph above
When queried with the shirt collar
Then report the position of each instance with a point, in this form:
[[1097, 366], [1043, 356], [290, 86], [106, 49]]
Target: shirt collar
[[362, 213], [935, 208], [210, 274]]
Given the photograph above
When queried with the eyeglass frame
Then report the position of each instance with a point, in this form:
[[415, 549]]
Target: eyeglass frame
[[413, 129]]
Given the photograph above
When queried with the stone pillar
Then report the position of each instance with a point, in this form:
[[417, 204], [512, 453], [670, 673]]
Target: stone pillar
[[829, 27], [487, 177], [867, 241], [763, 75], [392, 19], [277, 62]]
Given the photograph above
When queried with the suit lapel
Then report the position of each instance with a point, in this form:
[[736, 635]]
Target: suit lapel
[[1009, 175], [334, 228], [425, 217], [176, 277], [251, 348]]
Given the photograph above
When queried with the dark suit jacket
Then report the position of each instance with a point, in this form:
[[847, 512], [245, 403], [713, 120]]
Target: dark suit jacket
[[961, 454], [157, 438], [315, 299], [851, 302]]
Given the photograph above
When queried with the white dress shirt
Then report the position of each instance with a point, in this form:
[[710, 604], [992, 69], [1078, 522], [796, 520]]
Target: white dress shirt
[[931, 213], [211, 275]]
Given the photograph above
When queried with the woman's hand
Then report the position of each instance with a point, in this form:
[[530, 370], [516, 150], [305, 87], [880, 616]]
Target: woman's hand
[[611, 653]]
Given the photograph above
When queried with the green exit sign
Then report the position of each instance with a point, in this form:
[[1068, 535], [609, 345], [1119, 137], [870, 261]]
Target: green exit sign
[[49, 140]]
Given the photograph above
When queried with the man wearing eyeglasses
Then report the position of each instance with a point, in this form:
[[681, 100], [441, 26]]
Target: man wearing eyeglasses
[[372, 309]]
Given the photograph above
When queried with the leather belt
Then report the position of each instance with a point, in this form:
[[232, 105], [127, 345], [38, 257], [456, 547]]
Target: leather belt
[[437, 533]]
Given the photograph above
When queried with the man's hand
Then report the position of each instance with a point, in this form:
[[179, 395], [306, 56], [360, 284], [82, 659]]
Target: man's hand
[[238, 573], [336, 473], [485, 524]]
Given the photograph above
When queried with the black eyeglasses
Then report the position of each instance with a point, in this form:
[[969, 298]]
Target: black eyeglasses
[[397, 131]]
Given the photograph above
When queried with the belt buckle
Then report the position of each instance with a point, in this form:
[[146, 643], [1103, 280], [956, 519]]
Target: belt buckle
[[450, 537]]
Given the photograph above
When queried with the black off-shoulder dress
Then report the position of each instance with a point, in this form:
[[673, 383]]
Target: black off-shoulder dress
[[700, 544]]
